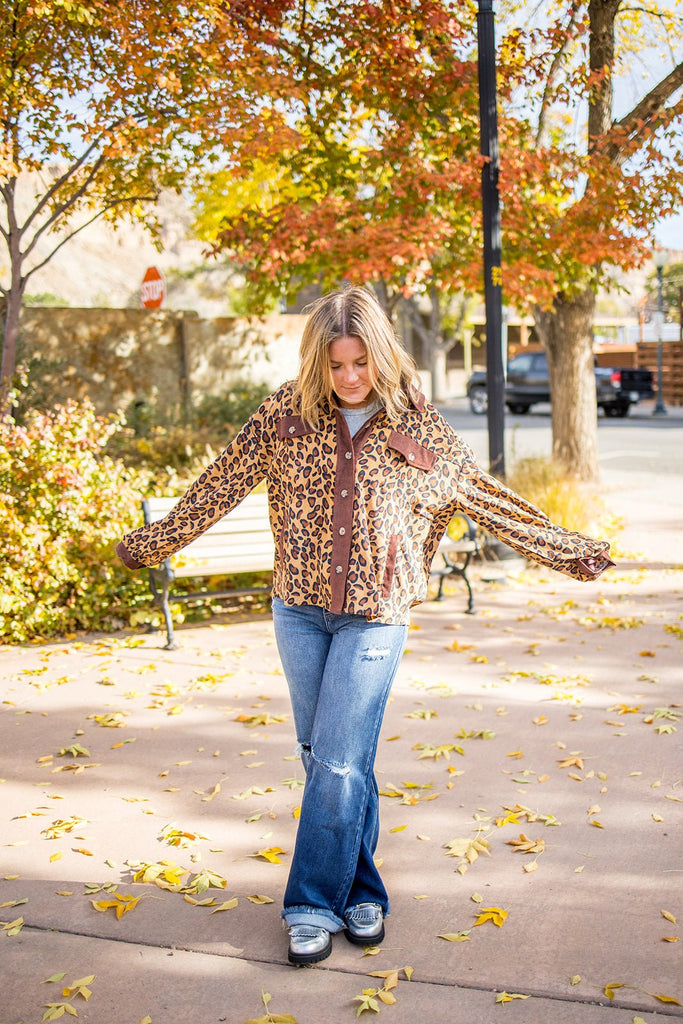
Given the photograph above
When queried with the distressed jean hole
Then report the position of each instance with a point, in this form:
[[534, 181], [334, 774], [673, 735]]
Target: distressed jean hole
[[376, 653], [334, 767]]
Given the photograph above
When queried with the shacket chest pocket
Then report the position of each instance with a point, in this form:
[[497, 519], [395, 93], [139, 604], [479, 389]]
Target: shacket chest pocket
[[298, 447], [412, 453], [305, 457]]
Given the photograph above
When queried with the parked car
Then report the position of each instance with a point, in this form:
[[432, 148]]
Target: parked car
[[528, 382]]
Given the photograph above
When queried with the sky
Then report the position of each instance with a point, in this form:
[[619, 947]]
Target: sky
[[669, 233]]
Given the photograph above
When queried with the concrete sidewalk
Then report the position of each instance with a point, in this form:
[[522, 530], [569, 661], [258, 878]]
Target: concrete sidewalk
[[547, 721]]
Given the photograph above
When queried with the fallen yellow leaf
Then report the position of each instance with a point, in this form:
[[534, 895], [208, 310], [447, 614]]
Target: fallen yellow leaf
[[230, 905], [507, 997], [119, 903], [209, 796], [609, 989], [493, 914], [12, 927], [270, 854]]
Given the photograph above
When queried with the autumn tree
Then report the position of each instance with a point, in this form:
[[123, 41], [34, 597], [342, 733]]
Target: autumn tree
[[584, 187], [102, 104], [380, 182]]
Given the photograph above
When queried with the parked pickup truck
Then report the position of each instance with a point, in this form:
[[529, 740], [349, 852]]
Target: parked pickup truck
[[527, 383]]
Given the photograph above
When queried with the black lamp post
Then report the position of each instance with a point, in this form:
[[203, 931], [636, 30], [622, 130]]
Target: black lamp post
[[493, 279], [659, 260]]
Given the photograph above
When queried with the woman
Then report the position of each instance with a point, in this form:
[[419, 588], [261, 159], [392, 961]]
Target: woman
[[363, 478]]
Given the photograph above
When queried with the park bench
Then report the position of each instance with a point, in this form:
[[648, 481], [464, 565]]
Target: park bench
[[242, 542], [457, 548], [238, 543]]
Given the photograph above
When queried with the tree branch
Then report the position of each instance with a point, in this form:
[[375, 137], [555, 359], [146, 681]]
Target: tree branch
[[552, 75], [61, 209], [416, 319], [662, 15], [87, 223], [646, 114], [71, 170]]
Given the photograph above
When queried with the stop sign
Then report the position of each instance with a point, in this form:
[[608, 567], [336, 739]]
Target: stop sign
[[152, 289]]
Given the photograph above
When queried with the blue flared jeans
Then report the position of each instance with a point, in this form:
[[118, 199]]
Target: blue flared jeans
[[339, 669]]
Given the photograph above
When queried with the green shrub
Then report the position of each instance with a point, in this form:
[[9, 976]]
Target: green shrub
[[63, 506], [71, 483], [176, 445]]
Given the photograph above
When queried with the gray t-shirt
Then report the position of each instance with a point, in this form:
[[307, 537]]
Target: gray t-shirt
[[355, 418]]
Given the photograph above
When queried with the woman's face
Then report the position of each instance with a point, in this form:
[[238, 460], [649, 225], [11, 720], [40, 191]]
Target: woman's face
[[349, 366]]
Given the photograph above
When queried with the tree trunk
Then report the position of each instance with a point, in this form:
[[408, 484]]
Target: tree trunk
[[567, 329], [433, 350], [437, 373], [601, 16], [567, 335], [9, 346], [13, 297]]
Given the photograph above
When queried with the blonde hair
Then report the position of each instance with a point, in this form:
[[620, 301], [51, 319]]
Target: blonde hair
[[353, 312]]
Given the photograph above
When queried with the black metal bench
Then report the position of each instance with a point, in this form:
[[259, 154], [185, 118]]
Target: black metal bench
[[242, 542], [457, 548]]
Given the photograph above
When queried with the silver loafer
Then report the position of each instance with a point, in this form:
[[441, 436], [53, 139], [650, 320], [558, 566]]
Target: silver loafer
[[308, 944], [364, 924]]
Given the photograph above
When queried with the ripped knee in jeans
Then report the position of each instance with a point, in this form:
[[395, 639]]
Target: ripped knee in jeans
[[306, 752], [334, 767]]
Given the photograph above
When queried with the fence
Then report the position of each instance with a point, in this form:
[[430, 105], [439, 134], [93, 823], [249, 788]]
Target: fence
[[672, 367]]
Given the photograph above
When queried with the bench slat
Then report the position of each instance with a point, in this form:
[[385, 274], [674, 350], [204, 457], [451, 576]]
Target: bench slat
[[239, 542]]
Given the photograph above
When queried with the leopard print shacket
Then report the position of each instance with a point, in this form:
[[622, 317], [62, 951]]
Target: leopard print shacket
[[357, 521]]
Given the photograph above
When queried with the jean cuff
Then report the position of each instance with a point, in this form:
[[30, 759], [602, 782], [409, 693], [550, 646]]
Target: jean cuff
[[315, 916]]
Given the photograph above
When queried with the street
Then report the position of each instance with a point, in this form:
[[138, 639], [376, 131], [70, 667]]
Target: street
[[640, 444]]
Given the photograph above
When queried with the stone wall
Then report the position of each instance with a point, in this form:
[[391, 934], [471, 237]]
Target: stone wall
[[119, 356]]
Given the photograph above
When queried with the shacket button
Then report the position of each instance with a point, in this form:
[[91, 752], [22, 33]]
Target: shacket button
[[342, 531], [338, 569], [344, 493], [348, 455], [411, 457], [292, 430]]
